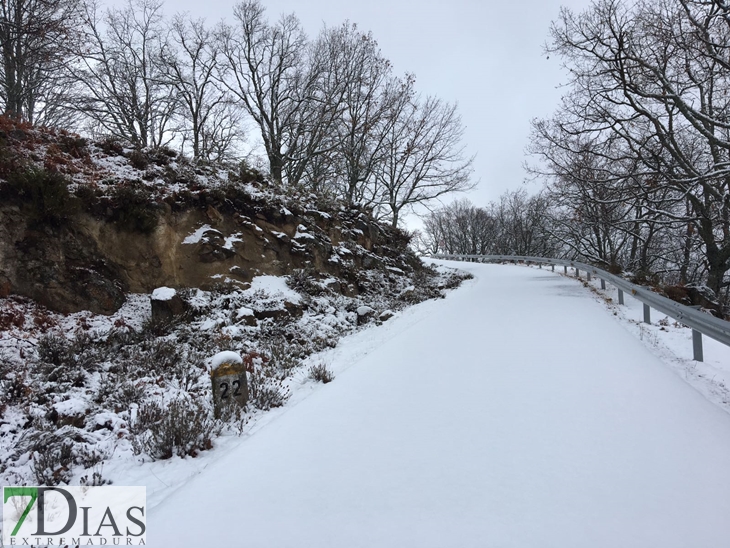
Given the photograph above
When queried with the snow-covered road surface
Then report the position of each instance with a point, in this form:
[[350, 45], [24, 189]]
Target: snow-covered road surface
[[517, 412]]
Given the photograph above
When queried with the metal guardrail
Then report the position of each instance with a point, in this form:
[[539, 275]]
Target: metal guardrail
[[700, 322]]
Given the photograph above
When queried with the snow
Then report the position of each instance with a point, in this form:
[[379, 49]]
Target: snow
[[672, 343], [385, 315], [163, 294], [274, 286], [364, 310], [280, 235], [230, 240], [302, 234], [516, 412], [196, 236], [71, 407], [226, 356], [243, 312], [208, 323]]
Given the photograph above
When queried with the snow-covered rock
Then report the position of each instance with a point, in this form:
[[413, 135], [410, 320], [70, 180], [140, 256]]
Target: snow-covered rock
[[196, 236], [163, 294], [166, 305], [385, 315], [364, 314]]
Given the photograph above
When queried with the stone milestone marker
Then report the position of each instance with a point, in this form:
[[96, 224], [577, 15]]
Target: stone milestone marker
[[228, 377]]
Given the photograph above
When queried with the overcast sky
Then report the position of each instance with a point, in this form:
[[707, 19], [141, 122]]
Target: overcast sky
[[485, 55]]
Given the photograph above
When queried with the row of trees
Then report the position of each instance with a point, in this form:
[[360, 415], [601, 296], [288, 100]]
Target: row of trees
[[638, 154], [637, 157], [328, 112], [516, 224]]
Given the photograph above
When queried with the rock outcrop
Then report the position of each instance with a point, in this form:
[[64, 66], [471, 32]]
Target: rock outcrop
[[90, 263], [76, 234]]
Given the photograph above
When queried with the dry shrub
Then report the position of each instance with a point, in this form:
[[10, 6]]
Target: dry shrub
[[305, 281], [265, 382], [182, 427], [139, 160], [133, 209], [52, 460], [320, 373], [73, 145], [11, 316], [44, 194], [43, 320], [111, 146]]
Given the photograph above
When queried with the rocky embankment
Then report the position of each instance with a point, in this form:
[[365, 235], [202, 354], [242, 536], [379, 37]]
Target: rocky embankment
[[83, 224]]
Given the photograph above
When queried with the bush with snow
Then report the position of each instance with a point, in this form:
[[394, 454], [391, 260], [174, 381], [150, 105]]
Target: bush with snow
[[117, 388], [320, 373]]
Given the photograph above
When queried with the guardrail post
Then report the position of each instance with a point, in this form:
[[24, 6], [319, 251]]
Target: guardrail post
[[589, 276], [577, 273], [620, 296], [647, 313], [553, 268], [697, 345], [603, 283]]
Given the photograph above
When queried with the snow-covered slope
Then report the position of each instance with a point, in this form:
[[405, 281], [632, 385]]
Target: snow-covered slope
[[517, 412]]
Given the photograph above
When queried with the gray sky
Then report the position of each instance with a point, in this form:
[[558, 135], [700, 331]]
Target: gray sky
[[484, 55]]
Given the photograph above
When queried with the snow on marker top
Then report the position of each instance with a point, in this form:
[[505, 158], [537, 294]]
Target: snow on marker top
[[163, 294], [225, 357]]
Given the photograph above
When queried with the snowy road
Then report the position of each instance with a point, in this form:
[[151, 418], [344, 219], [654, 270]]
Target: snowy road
[[515, 413]]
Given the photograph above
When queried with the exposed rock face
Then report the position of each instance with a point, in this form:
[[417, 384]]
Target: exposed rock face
[[89, 263], [83, 223], [63, 269]]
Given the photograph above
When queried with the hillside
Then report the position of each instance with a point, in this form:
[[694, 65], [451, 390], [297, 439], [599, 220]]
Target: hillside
[[95, 372]]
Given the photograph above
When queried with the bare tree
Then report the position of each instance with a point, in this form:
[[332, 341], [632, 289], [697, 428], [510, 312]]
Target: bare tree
[[522, 222], [35, 41], [514, 225], [325, 77], [653, 77], [368, 93], [191, 59], [125, 92], [265, 73], [296, 91], [423, 155], [460, 228]]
